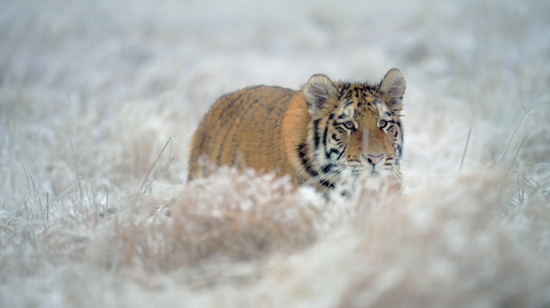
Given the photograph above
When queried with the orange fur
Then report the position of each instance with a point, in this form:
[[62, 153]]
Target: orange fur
[[251, 123], [273, 129]]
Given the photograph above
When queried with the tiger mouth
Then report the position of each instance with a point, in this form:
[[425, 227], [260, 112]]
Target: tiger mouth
[[368, 170], [358, 171], [371, 171]]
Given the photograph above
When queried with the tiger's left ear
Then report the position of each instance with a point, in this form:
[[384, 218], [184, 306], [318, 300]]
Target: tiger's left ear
[[393, 87], [317, 92]]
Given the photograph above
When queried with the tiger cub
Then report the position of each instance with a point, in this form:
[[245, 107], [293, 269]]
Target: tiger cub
[[314, 134]]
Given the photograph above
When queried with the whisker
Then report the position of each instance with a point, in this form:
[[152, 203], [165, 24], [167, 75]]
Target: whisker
[[332, 178]]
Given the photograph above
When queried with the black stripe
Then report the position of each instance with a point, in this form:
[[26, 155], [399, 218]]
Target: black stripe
[[252, 105], [229, 105], [345, 87], [332, 151], [326, 183], [347, 104], [342, 153], [301, 150], [325, 139], [326, 168], [316, 137], [397, 149]]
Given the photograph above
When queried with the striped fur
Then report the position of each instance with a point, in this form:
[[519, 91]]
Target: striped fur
[[313, 134]]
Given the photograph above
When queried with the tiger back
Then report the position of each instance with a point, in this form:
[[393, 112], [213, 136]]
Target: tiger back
[[314, 135]]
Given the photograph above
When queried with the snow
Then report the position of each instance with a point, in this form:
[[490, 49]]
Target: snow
[[91, 92]]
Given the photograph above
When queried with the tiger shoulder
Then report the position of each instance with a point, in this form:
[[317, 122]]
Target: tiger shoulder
[[314, 135]]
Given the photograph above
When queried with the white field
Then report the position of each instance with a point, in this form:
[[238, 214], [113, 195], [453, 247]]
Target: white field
[[91, 92]]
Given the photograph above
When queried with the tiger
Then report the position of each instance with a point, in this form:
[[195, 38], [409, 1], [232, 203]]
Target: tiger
[[314, 135]]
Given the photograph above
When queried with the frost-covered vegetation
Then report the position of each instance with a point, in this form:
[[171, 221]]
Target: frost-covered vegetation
[[99, 99]]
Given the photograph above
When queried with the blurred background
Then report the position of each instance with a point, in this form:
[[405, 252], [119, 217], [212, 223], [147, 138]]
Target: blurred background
[[93, 90], [120, 78]]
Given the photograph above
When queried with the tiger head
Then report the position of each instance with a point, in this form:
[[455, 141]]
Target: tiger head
[[355, 127]]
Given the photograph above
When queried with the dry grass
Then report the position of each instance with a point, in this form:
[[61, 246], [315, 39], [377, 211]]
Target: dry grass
[[98, 102]]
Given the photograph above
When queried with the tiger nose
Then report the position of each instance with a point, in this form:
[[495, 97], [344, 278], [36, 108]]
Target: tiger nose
[[374, 159]]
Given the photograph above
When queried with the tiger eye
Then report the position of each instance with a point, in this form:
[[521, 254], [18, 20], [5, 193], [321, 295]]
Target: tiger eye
[[349, 125], [382, 123]]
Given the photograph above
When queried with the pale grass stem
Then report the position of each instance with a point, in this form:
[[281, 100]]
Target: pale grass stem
[[76, 169], [150, 181], [27, 177], [33, 187], [465, 148], [515, 156], [525, 113]]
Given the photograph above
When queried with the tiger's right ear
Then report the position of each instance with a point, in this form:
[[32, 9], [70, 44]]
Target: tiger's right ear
[[317, 92], [393, 87]]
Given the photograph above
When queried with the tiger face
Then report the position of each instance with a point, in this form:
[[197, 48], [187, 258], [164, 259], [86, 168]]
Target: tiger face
[[355, 127]]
